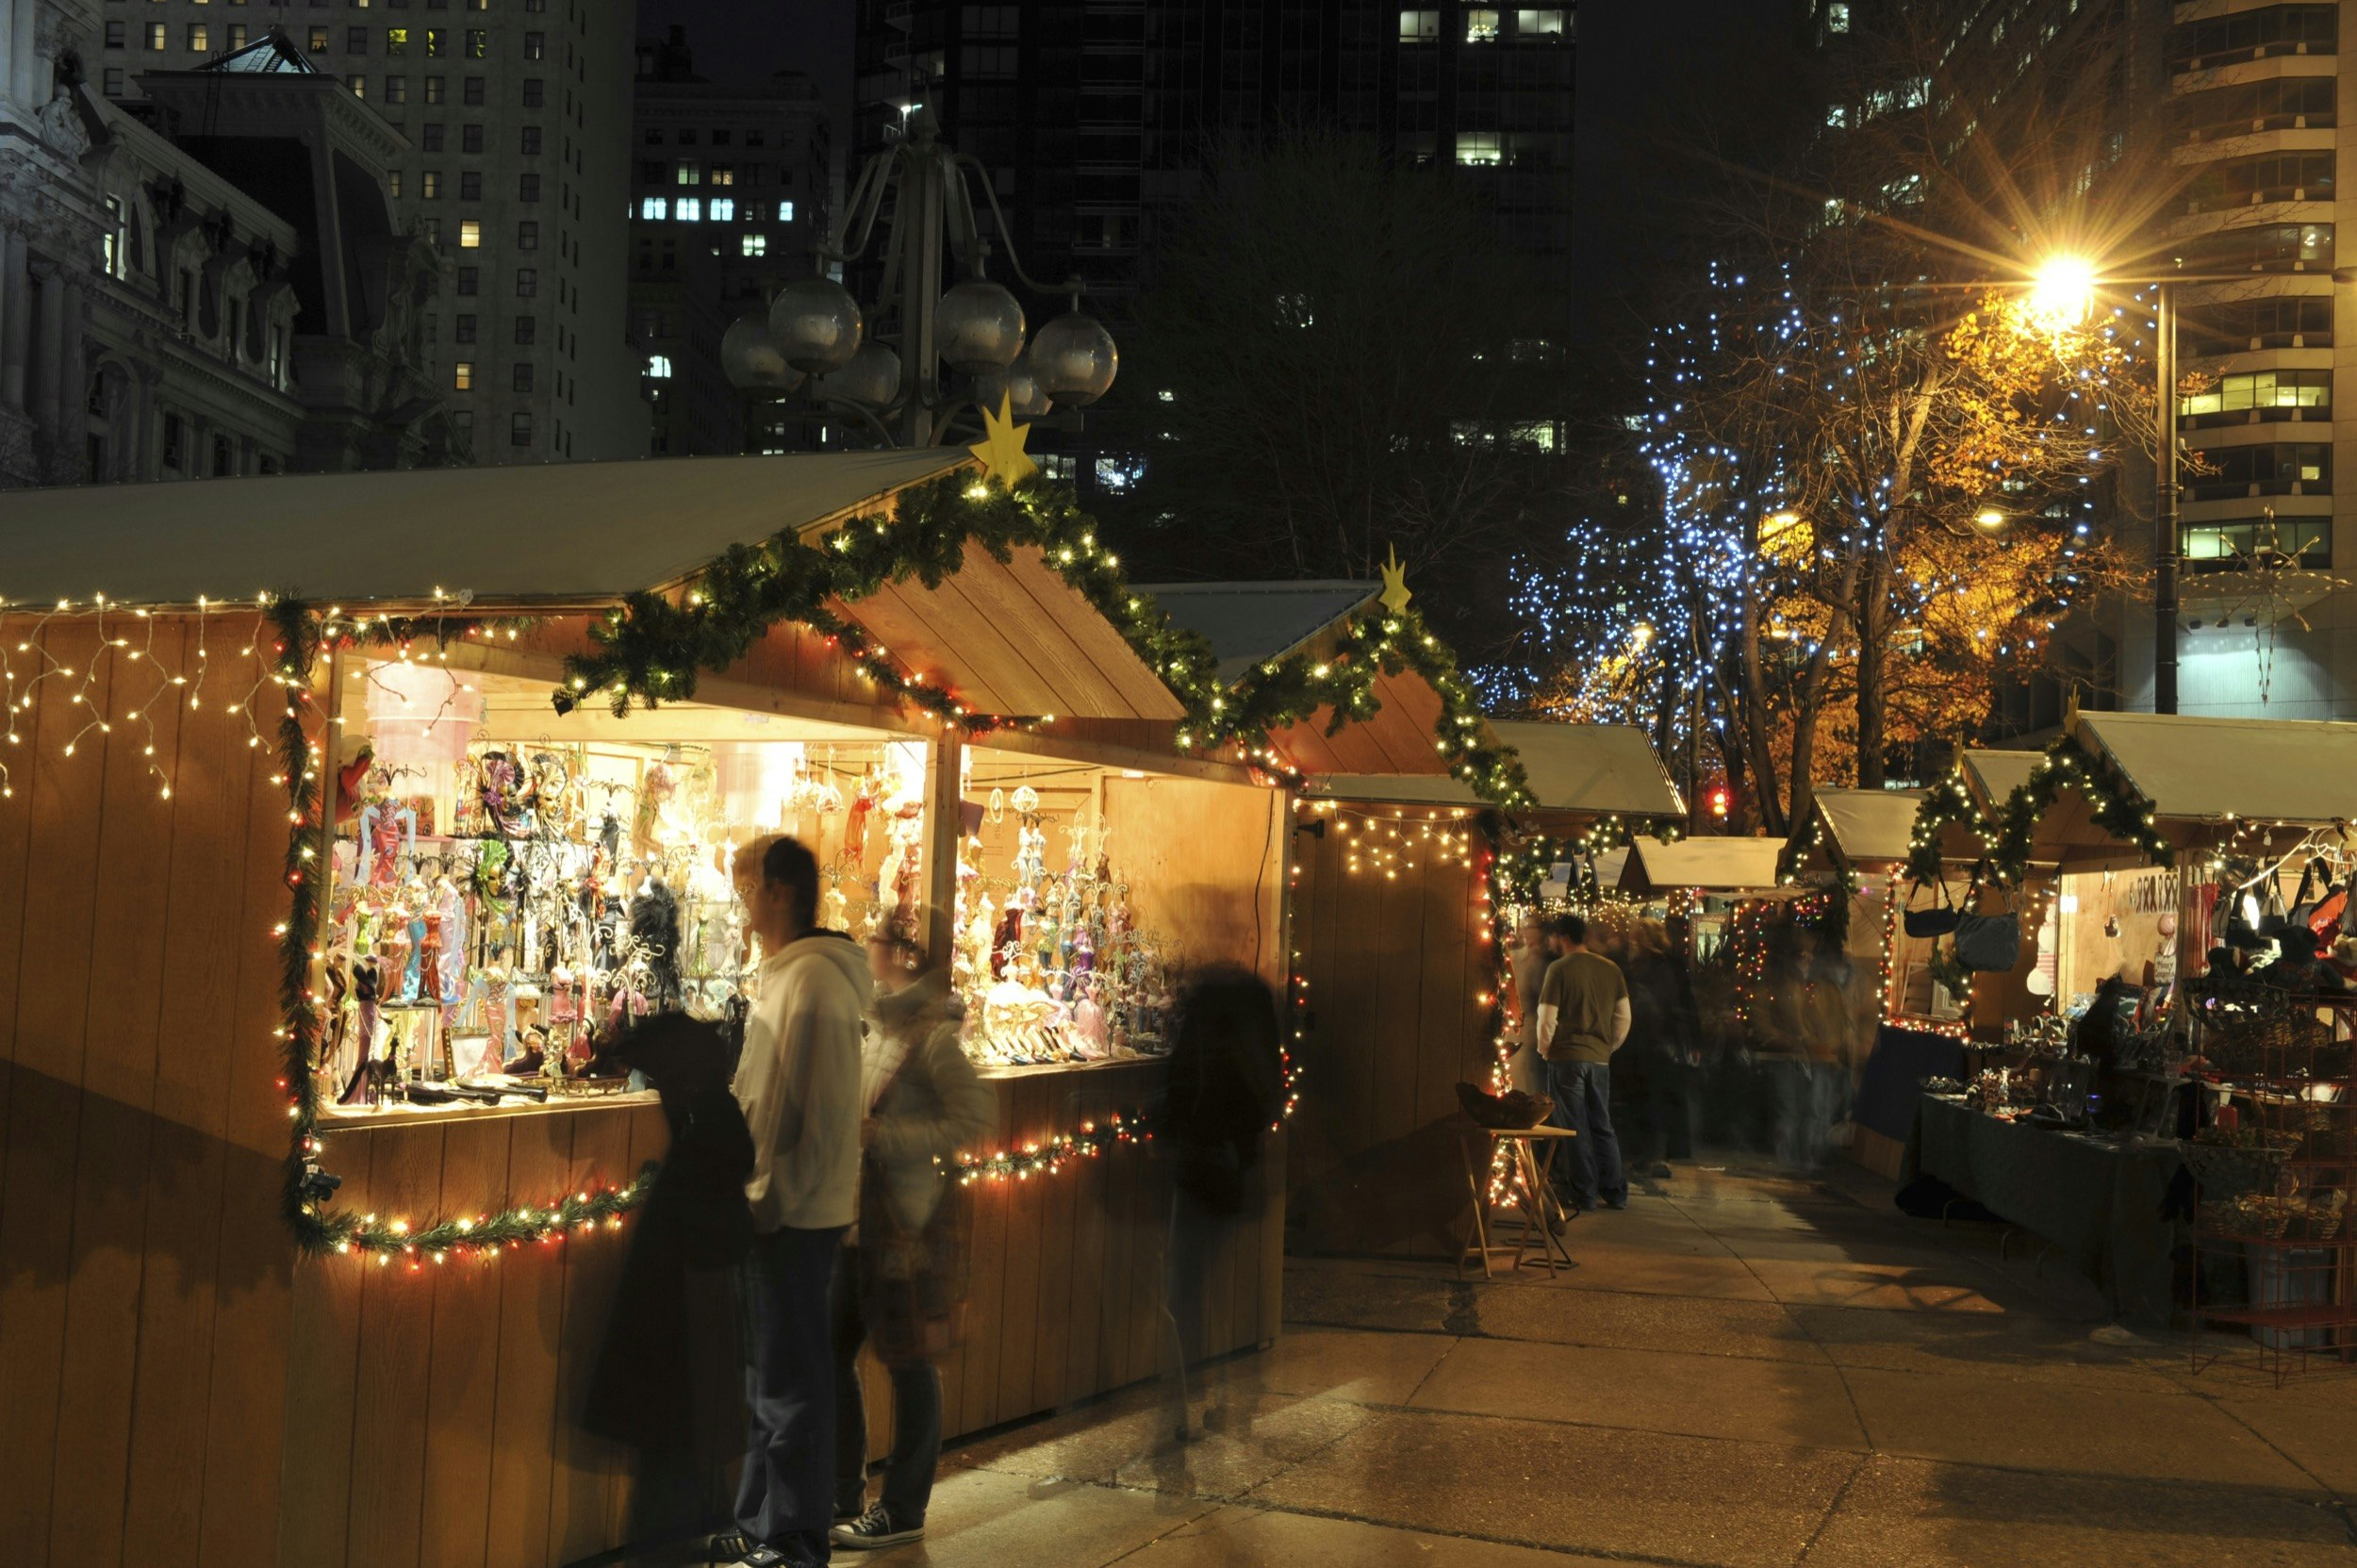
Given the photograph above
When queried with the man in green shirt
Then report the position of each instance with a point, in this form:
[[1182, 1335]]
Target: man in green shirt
[[1583, 1017]]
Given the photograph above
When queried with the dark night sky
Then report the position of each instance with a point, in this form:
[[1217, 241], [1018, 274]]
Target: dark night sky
[[742, 41]]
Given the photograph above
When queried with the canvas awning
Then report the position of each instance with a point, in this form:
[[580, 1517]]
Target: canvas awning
[[530, 533], [1595, 769], [1993, 776], [1869, 826], [1250, 624], [1708, 865], [2194, 769], [1012, 638]]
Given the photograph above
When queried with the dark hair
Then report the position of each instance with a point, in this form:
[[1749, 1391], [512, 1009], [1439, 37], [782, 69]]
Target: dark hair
[[788, 862], [1571, 928]]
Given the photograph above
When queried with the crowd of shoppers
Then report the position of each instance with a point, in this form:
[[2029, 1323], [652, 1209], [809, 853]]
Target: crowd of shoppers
[[1646, 1053], [807, 1212]]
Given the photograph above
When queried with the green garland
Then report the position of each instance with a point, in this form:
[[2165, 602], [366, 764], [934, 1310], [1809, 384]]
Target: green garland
[[1048, 1155], [2010, 836], [651, 648], [1946, 804], [2115, 804], [1523, 866]]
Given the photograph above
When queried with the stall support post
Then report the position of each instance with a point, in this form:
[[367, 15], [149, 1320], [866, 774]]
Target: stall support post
[[945, 826]]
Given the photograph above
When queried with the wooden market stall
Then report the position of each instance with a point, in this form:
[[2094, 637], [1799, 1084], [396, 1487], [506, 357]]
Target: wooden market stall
[[363, 791], [2134, 839], [1395, 952], [1858, 840]]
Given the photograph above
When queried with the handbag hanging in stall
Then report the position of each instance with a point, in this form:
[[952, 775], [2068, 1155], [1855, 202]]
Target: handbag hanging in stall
[[1938, 920], [1989, 944], [2316, 881]]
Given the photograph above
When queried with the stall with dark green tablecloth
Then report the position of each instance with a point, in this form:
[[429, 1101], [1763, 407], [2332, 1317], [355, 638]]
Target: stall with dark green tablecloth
[[2101, 1203]]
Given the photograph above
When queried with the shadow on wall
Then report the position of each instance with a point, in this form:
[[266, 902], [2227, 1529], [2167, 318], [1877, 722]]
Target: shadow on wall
[[92, 1176], [1406, 1198]]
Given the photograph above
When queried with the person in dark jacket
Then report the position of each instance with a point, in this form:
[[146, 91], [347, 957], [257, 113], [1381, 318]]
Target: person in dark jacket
[[669, 1380], [1224, 1091]]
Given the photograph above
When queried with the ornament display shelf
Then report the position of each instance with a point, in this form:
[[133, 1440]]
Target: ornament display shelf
[[2288, 1222]]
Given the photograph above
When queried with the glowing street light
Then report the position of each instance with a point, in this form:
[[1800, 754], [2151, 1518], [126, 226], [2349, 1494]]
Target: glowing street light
[[2062, 294]]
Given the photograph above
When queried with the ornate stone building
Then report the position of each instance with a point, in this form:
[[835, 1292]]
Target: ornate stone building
[[209, 285]]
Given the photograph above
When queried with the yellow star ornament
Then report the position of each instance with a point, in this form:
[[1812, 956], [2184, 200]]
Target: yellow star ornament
[[1396, 594], [1001, 447]]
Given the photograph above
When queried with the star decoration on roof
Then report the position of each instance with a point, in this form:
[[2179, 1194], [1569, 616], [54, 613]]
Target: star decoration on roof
[[1396, 594], [1001, 446]]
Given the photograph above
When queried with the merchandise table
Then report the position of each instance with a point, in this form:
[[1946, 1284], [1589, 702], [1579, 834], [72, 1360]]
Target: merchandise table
[[2097, 1201]]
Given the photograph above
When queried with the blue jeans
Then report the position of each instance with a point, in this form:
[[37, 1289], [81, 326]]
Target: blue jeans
[[1590, 1170], [908, 1478], [785, 1497]]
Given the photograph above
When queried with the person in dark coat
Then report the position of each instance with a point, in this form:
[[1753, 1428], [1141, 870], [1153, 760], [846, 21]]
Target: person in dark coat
[[1226, 1089], [668, 1382]]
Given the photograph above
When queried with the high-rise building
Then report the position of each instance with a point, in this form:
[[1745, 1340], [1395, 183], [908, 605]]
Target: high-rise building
[[729, 195], [1094, 117], [2251, 101], [514, 163]]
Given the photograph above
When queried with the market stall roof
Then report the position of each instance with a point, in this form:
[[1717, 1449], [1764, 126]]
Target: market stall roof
[[1869, 826], [1995, 775], [1712, 864], [1248, 623], [1600, 769], [2194, 769], [550, 533], [1010, 638]]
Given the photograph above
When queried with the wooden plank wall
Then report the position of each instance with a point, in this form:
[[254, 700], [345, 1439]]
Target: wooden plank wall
[[1392, 1020], [1205, 863], [144, 1274], [176, 1388], [1068, 1284], [430, 1414]]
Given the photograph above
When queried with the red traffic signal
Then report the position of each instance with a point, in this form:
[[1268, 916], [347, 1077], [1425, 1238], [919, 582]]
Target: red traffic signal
[[1720, 800]]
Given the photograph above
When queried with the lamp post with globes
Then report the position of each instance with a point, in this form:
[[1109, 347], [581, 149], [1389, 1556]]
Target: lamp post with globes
[[924, 355]]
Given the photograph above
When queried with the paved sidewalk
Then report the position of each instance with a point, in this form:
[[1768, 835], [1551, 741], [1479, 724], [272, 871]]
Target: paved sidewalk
[[1741, 1371]]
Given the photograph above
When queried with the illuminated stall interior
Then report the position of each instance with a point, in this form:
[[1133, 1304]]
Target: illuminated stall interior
[[511, 888], [1087, 890]]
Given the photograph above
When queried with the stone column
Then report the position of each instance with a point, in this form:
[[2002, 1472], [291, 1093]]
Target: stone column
[[32, 66], [15, 316], [49, 350], [72, 383]]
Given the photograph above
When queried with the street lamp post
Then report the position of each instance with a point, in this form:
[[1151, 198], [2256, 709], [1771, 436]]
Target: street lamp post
[[2063, 289], [957, 349], [2166, 542]]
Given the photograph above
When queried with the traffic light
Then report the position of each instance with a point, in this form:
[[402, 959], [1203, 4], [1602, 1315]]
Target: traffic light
[[1719, 799]]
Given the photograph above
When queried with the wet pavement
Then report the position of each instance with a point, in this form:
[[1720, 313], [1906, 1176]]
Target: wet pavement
[[1741, 1370]]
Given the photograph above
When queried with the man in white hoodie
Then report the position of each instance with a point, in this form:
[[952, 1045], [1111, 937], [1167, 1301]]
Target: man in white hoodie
[[798, 1083]]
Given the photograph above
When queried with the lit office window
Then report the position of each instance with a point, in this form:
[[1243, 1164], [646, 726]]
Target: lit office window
[[462, 376], [470, 235], [689, 210], [756, 244], [654, 209]]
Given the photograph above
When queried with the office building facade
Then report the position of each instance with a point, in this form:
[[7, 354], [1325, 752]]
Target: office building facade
[[512, 163], [730, 194]]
